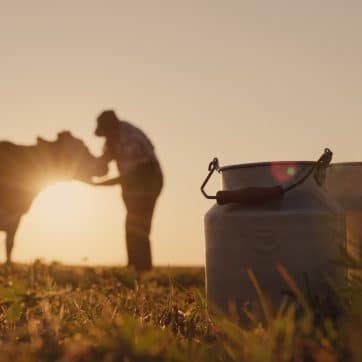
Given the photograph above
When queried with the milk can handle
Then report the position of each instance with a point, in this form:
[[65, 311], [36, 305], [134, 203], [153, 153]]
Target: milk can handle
[[318, 169], [213, 166], [258, 195]]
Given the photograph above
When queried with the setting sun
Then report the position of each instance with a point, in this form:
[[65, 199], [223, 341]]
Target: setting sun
[[64, 202], [70, 222]]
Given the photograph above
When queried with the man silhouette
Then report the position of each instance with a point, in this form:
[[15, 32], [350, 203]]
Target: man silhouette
[[140, 178]]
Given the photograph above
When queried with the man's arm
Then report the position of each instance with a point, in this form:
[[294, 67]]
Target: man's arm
[[107, 155], [109, 182]]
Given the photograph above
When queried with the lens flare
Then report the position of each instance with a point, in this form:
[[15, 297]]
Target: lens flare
[[283, 172]]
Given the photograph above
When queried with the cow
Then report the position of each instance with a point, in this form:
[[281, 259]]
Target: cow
[[26, 170]]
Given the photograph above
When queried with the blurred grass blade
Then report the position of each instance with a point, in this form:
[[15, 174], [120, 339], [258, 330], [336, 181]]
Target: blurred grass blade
[[14, 312], [263, 301], [292, 285]]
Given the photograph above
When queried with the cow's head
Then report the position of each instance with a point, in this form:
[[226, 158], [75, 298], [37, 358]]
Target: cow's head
[[69, 158]]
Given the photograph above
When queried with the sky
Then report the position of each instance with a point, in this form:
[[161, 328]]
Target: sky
[[241, 80]]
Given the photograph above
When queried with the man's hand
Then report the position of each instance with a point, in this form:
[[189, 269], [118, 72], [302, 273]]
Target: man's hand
[[109, 182]]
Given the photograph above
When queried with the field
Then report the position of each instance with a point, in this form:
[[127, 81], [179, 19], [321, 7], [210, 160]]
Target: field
[[59, 313]]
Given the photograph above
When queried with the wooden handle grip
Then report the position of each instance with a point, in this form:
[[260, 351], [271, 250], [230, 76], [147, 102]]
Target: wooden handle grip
[[250, 195]]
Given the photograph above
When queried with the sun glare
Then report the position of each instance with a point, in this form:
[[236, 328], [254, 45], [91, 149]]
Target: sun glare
[[64, 200], [72, 222]]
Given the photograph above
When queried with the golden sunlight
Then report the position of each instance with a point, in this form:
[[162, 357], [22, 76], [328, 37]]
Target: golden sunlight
[[72, 222], [65, 201]]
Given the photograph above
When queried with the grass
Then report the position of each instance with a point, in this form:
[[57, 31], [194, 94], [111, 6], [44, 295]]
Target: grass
[[58, 313]]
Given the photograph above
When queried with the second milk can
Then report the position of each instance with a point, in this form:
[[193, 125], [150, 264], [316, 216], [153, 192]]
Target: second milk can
[[270, 213], [344, 183]]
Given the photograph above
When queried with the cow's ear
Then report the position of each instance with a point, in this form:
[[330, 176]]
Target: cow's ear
[[63, 136]]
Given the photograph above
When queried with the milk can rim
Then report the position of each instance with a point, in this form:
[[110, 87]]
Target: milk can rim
[[261, 164], [356, 163]]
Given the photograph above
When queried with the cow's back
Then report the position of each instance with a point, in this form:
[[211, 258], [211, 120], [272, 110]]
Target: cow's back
[[15, 159], [17, 167]]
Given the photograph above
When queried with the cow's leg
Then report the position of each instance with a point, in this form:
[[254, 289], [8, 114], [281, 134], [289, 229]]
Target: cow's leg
[[10, 235]]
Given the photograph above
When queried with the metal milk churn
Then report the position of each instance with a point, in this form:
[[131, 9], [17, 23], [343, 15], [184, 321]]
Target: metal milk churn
[[270, 213], [344, 183]]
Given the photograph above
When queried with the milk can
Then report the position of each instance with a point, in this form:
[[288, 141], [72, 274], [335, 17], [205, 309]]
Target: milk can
[[344, 183], [269, 213]]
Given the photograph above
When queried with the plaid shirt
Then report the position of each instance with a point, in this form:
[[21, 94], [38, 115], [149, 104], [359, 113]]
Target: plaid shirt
[[130, 147]]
